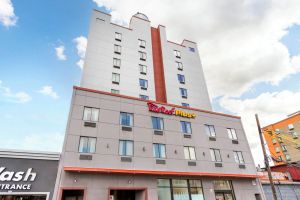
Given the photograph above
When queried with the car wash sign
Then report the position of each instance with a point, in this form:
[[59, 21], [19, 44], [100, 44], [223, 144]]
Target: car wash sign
[[173, 111], [16, 180]]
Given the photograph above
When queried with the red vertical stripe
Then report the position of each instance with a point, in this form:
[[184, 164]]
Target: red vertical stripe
[[159, 77]]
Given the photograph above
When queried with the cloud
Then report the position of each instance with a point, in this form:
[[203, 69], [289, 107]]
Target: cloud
[[48, 91], [35, 142], [238, 38], [9, 96], [81, 43], [270, 107], [60, 52], [7, 15]]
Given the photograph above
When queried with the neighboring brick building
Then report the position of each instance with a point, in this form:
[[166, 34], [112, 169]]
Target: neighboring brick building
[[283, 139]]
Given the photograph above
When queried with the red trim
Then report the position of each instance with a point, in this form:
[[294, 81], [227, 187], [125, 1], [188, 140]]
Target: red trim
[[152, 172], [159, 76], [128, 188], [158, 102], [71, 188]]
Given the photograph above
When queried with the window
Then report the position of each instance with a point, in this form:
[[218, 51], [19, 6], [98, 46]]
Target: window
[[279, 158], [279, 139], [210, 130], [118, 36], [277, 149], [179, 66], [189, 153], [215, 155], [143, 55], [185, 104], [126, 119], [232, 133], [117, 63], [87, 145], [181, 78], [159, 150], [274, 141], [298, 146], [277, 130], [126, 148], [238, 156], [186, 127], [143, 69], [183, 92], [288, 157], [180, 189], [117, 49], [142, 43], [192, 49], [284, 148], [157, 123], [145, 97], [90, 114], [177, 54], [223, 189], [115, 78], [115, 91], [291, 126], [143, 84], [295, 135]]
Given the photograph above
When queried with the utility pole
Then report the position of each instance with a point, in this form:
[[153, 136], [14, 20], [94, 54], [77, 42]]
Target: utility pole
[[266, 158]]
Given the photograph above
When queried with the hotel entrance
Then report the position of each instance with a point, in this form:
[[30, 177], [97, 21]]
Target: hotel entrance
[[127, 194], [23, 197]]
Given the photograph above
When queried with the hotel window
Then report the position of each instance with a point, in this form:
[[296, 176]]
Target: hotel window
[[183, 92], [159, 150], [177, 54], [279, 139], [115, 91], [157, 123], [143, 69], [186, 127], [142, 43], [277, 149], [87, 145], [277, 130], [126, 148], [181, 78], [192, 49], [232, 133], [145, 97], [117, 49], [189, 153], [118, 36], [238, 157], [185, 104], [215, 155], [291, 126], [179, 65], [223, 190], [295, 135], [274, 141], [284, 148], [279, 158], [115, 78], [90, 114], [210, 130], [143, 55], [116, 63], [126, 119], [143, 84], [288, 157], [179, 189]]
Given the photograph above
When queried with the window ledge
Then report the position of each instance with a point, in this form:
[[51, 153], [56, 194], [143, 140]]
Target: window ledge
[[218, 164], [187, 135], [158, 132], [242, 166], [126, 128], [161, 161], [90, 124], [192, 163], [212, 138], [115, 82], [85, 157], [235, 141], [126, 159]]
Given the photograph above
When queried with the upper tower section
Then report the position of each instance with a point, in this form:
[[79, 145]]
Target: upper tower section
[[139, 61]]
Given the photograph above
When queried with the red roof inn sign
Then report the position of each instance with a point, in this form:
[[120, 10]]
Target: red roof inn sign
[[10, 180], [173, 111]]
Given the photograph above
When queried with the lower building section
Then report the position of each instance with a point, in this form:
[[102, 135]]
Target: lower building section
[[290, 191], [94, 186]]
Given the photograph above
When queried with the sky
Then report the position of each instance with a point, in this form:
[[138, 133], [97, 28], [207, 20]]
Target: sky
[[250, 52]]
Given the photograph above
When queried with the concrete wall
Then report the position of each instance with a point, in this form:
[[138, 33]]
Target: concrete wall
[[108, 132]]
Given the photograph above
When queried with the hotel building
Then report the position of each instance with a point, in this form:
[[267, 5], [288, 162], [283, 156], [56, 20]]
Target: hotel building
[[141, 125], [283, 139]]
